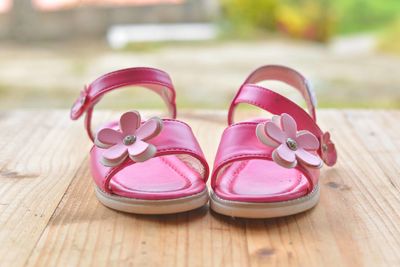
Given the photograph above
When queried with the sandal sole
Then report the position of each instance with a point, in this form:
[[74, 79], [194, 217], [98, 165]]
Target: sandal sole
[[153, 207], [264, 210]]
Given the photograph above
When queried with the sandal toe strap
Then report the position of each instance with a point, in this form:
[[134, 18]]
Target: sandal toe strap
[[240, 142], [176, 138]]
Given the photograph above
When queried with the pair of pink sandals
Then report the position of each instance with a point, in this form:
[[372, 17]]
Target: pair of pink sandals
[[263, 168]]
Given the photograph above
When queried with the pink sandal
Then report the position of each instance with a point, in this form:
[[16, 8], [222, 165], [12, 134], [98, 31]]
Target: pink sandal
[[151, 167], [270, 167]]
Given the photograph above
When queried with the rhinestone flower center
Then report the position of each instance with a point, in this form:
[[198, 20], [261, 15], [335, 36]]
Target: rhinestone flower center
[[129, 140], [291, 144]]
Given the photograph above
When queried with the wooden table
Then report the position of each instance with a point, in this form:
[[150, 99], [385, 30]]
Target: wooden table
[[49, 215]]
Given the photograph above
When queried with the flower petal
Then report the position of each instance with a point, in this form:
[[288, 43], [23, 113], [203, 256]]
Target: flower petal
[[129, 122], [107, 137], [286, 154], [326, 137], [330, 155], [149, 129], [115, 152], [308, 158], [137, 148], [274, 132], [289, 125], [277, 159], [115, 162], [148, 153], [307, 140], [277, 120], [263, 137]]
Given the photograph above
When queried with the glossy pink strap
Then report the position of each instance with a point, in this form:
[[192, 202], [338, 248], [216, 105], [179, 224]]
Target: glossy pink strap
[[277, 73], [153, 79], [239, 142], [176, 138], [276, 104]]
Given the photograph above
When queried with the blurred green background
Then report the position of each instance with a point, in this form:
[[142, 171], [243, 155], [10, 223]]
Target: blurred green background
[[349, 49], [315, 20]]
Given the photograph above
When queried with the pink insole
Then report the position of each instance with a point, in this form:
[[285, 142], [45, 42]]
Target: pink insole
[[261, 181], [158, 178]]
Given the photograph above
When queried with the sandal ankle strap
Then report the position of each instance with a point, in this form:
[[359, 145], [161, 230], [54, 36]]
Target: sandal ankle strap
[[276, 73], [150, 78]]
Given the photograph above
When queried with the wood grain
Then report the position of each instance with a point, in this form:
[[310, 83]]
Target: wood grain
[[49, 215]]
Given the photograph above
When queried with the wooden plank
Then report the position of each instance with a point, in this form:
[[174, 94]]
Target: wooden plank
[[39, 155], [370, 205], [356, 222]]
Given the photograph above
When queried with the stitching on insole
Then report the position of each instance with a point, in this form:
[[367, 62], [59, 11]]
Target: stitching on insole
[[236, 173], [166, 162]]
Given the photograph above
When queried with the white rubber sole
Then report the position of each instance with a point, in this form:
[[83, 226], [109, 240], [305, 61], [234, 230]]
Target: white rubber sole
[[264, 210], [142, 206]]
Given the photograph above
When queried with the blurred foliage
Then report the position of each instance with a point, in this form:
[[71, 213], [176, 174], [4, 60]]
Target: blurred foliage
[[365, 15], [307, 19], [245, 17], [389, 40]]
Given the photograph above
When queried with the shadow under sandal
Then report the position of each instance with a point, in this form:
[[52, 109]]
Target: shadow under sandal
[[270, 167], [145, 167]]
